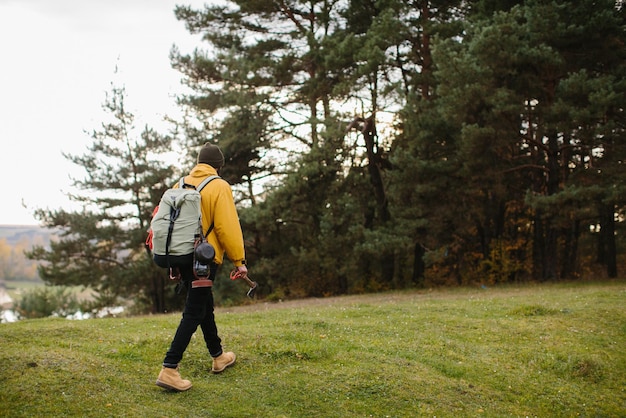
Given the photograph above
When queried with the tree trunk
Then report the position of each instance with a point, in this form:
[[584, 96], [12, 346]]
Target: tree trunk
[[369, 135], [550, 266], [538, 247], [607, 240], [158, 293], [419, 267], [427, 61], [570, 250], [368, 130]]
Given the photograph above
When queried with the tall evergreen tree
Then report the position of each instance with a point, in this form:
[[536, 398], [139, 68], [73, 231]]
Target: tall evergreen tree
[[101, 246], [269, 71]]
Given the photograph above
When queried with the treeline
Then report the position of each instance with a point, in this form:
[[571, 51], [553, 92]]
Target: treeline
[[376, 145]]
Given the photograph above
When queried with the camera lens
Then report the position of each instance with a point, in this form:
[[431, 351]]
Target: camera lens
[[201, 270]]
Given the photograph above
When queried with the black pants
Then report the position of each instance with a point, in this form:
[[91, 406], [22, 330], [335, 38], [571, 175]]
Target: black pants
[[198, 312]]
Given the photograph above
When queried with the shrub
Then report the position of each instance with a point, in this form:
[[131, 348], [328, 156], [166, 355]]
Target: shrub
[[42, 302]]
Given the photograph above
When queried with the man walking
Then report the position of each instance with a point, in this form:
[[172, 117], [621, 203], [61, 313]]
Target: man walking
[[219, 211]]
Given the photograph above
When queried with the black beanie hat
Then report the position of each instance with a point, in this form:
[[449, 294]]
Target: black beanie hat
[[212, 155]]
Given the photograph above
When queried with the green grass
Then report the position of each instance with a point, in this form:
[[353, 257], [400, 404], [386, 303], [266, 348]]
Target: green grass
[[556, 350]]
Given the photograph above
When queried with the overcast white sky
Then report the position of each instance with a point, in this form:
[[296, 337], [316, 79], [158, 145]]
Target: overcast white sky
[[58, 61]]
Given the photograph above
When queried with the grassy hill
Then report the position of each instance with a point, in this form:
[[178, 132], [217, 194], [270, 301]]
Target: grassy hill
[[552, 350]]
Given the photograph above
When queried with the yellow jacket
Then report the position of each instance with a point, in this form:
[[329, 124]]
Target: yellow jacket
[[218, 207]]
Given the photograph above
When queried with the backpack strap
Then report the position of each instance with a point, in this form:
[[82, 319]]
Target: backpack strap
[[205, 182], [208, 231], [199, 189], [183, 185], [173, 215]]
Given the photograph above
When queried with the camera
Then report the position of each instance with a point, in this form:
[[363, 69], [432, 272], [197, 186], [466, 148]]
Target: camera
[[204, 253], [200, 269]]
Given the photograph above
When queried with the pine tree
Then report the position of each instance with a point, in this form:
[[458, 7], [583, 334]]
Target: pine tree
[[102, 246]]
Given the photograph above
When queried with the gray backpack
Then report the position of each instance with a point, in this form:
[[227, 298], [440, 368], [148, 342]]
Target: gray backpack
[[177, 223]]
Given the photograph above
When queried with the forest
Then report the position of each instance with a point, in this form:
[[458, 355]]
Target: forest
[[373, 145]]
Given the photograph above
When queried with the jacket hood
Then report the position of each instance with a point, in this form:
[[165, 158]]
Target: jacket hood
[[202, 171]]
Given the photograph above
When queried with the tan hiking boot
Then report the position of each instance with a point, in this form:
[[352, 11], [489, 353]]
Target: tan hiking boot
[[170, 379], [223, 361]]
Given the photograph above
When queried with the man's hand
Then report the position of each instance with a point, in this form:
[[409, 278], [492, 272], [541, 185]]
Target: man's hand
[[243, 270], [240, 272]]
